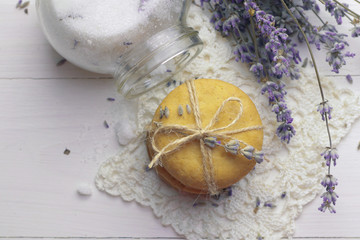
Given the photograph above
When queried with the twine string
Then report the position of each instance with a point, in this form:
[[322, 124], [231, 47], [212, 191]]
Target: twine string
[[198, 133]]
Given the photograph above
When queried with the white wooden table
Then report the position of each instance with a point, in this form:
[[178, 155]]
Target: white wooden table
[[45, 109]]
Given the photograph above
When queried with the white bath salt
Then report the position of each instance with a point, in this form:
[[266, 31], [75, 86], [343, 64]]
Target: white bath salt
[[101, 31], [125, 131], [84, 189]]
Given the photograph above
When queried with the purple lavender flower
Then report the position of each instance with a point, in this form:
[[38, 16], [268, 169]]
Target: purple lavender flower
[[326, 205], [258, 70], [355, 32], [269, 204], [275, 91], [329, 181], [349, 78], [257, 202], [232, 147], [248, 151], [330, 6], [228, 191], [325, 110], [329, 196], [259, 156], [330, 154], [285, 132], [211, 142]]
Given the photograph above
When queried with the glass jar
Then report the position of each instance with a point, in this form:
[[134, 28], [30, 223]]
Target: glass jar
[[142, 43]]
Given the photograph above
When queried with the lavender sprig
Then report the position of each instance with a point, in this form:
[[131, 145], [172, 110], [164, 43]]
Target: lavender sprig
[[265, 47], [330, 154], [263, 33]]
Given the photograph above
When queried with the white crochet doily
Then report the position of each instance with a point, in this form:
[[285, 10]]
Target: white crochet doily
[[295, 168]]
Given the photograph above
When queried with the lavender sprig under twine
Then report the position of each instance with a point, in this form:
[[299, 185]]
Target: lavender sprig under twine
[[263, 32]]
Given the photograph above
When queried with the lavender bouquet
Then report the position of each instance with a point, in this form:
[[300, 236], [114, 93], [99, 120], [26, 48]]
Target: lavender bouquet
[[264, 34]]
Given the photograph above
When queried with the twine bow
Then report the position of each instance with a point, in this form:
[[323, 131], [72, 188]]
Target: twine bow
[[198, 132]]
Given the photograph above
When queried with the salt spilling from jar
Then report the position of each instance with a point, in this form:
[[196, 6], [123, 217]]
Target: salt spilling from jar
[[142, 43]]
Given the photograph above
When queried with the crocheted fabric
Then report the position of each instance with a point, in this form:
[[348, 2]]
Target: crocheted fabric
[[295, 168]]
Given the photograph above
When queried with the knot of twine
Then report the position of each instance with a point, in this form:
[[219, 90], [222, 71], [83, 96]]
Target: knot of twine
[[198, 132]]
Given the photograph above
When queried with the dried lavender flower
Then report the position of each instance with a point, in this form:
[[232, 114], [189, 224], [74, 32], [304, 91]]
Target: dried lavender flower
[[66, 151], [349, 78], [24, 5], [259, 156], [257, 203], [211, 142], [232, 147], [329, 181], [166, 112], [330, 155], [180, 110], [188, 108], [269, 204], [61, 62]]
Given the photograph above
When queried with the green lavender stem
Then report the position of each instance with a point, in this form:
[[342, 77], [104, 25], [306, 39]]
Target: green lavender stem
[[316, 71]]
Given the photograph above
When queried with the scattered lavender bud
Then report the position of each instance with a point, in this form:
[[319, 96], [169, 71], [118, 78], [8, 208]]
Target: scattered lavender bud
[[106, 125], [110, 99], [283, 195], [24, 5], [227, 191], [168, 70], [305, 63], [61, 62], [66, 151], [76, 42], [269, 204], [188, 108], [127, 43], [26, 11], [161, 112], [180, 110], [211, 142], [18, 4], [214, 204], [259, 237], [147, 168], [166, 112], [168, 84], [349, 78], [199, 203], [257, 203]]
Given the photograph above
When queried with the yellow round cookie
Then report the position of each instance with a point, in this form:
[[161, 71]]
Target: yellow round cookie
[[183, 168]]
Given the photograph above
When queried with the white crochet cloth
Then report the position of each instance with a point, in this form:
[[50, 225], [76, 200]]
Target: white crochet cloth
[[295, 168]]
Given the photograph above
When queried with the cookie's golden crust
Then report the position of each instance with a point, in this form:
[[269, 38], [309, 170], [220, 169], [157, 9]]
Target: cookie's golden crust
[[183, 168]]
